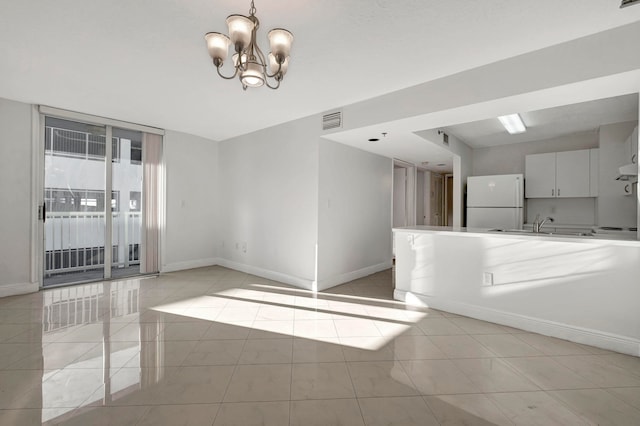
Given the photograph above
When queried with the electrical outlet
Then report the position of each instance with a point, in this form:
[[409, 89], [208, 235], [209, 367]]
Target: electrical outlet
[[244, 247], [487, 278]]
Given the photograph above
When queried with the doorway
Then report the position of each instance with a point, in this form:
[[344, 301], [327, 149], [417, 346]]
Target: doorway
[[404, 190], [93, 195], [448, 200]]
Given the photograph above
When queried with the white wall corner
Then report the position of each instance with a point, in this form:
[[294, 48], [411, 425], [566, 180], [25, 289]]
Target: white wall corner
[[17, 289], [336, 280], [303, 283], [585, 336], [189, 264]]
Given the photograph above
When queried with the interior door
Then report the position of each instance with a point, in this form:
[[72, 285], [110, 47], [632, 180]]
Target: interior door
[[421, 214], [448, 200], [437, 205]]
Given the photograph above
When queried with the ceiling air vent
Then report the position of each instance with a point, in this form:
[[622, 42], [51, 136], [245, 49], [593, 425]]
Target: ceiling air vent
[[626, 3], [332, 120]]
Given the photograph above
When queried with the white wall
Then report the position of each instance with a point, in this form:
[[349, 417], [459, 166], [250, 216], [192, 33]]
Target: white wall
[[463, 167], [15, 187], [354, 214], [269, 200], [564, 211], [509, 159], [420, 197], [581, 290], [192, 201], [614, 208]]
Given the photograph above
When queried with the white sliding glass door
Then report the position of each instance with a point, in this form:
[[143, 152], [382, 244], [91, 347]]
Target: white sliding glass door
[[93, 200]]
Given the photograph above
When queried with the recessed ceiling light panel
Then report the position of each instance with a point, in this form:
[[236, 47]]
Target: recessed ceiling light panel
[[513, 123]]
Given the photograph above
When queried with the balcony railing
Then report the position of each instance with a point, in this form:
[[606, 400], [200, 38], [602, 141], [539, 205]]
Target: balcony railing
[[72, 143], [74, 241]]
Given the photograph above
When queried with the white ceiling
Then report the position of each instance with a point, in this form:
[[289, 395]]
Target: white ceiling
[[549, 123], [145, 61]]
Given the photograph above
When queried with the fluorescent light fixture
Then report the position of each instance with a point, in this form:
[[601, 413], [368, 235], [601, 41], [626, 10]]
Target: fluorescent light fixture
[[513, 123]]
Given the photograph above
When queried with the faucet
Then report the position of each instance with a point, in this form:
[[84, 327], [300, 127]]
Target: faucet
[[537, 225]]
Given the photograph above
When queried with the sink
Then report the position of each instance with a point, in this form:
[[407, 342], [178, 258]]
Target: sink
[[528, 232], [518, 231]]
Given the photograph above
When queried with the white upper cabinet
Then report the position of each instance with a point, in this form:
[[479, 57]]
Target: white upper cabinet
[[559, 174], [540, 175], [572, 174]]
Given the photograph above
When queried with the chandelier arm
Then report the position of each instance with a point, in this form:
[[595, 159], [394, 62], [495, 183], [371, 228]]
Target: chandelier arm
[[224, 76], [259, 53], [276, 73], [240, 66], [266, 82]]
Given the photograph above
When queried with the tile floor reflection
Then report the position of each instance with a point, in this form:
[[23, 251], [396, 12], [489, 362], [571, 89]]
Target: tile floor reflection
[[214, 346]]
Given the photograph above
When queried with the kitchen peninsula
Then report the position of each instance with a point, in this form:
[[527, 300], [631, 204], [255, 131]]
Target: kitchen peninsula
[[583, 289]]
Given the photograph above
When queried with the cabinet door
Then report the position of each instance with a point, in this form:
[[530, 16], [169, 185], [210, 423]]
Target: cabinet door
[[634, 146], [572, 173], [540, 175]]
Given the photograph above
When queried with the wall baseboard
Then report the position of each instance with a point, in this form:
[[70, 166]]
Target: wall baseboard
[[16, 289], [600, 339], [353, 275], [189, 264], [268, 274]]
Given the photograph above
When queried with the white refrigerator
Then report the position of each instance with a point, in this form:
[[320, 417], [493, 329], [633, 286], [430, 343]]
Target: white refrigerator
[[495, 201]]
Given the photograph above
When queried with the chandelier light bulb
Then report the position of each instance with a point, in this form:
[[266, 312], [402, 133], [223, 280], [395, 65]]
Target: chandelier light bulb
[[253, 76]]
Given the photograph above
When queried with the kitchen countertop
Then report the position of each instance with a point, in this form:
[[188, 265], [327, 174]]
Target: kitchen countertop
[[595, 239]]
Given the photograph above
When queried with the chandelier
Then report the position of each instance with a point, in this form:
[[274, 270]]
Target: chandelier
[[249, 62]]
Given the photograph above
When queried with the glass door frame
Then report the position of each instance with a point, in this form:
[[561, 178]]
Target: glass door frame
[[38, 185]]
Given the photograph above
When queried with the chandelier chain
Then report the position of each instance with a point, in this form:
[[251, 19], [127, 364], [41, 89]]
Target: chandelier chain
[[252, 10]]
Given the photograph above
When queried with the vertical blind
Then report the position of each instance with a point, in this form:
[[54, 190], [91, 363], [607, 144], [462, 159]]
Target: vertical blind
[[152, 163]]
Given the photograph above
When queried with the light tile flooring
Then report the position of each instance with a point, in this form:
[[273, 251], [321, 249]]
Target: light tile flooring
[[214, 346]]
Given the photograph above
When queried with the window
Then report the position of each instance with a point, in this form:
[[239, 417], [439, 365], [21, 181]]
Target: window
[[135, 198], [136, 152]]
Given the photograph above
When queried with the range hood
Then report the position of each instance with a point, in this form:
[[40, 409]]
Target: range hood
[[628, 172]]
